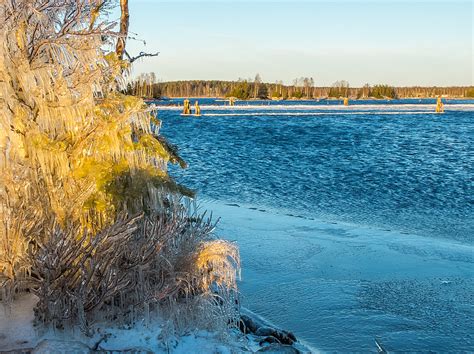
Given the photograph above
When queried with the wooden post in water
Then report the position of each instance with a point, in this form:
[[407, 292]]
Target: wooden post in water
[[187, 107], [346, 101], [197, 109], [439, 105]]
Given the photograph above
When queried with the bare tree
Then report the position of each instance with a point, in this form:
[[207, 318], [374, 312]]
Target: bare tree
[[256, 83]]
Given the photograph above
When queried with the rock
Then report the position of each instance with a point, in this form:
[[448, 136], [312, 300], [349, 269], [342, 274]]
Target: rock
[[243, 328], [279, 349], [269, 340], [283, 337], [247, 324], [265, 331], [291, 336], [251, 323]]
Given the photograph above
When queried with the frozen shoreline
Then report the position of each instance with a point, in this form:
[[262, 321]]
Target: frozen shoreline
[[17, 333], [337, 286], [341, 286]]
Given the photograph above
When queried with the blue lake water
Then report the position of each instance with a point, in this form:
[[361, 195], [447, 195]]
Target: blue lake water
[[373, 202], [385, 165]]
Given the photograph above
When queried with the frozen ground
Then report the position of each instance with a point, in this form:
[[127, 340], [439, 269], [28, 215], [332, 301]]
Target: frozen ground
[[18, 334], [17, 331], [340, 286]]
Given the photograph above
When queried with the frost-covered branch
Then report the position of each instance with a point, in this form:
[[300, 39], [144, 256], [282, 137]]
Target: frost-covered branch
[[90, 220]]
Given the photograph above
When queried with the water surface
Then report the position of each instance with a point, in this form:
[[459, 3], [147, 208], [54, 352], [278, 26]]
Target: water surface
[[354, 223], [396, 166]]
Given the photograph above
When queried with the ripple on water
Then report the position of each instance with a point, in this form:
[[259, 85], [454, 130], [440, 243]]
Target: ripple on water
[[410, 173], [405, 172], [436, 309]]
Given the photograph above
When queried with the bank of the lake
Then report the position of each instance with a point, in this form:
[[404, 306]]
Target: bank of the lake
[[340, 286]]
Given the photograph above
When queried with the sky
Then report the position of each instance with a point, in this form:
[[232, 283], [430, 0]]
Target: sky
[[401, 43]]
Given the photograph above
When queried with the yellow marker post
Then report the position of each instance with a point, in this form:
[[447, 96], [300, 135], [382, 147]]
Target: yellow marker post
[[439, 105], [187, 107], [197, 109], [346, 101]]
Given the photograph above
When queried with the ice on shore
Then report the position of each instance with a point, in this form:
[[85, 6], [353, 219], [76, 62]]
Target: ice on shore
[[337, 286], [341, 286], [17, 332]]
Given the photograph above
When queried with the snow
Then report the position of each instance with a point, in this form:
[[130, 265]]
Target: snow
[[336, 286], [17, 332], [16, 324]]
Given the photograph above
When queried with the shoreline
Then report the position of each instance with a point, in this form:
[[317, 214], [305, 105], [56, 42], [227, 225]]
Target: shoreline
[[331, 220], [329, 282], [346, 259], [19, 334]]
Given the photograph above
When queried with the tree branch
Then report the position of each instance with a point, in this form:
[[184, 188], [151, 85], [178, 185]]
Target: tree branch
[[141, 55]]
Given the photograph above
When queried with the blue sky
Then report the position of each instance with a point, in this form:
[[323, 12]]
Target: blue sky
[[394, 42]]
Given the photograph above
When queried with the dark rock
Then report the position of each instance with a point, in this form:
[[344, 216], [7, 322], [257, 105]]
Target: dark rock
[[242, 327], [291, 336], [282, 336], [247, 325], [280, 349], [269, 340], [265, 331]]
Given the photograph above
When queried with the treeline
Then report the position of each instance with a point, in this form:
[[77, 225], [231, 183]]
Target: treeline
[[302, 88]]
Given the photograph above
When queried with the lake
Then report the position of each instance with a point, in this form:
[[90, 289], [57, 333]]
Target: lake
[[354, 223]]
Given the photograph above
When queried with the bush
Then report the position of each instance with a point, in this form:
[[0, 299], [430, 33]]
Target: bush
[[134, 268], [339, 89], [298, 94], [383, 91], [470, 92], [241, 91]]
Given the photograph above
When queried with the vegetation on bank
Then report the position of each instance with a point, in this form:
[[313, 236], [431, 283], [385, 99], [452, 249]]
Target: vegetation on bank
[[339, 89], [90, 220], [377, 91], [146, 86]]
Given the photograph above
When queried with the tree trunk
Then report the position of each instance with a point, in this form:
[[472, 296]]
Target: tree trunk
[[124, 21]]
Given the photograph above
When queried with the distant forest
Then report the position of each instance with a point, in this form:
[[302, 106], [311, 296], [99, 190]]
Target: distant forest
[[303, 88]]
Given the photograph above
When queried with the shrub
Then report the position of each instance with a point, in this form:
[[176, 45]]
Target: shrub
[[470, 92], [383, 91]]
